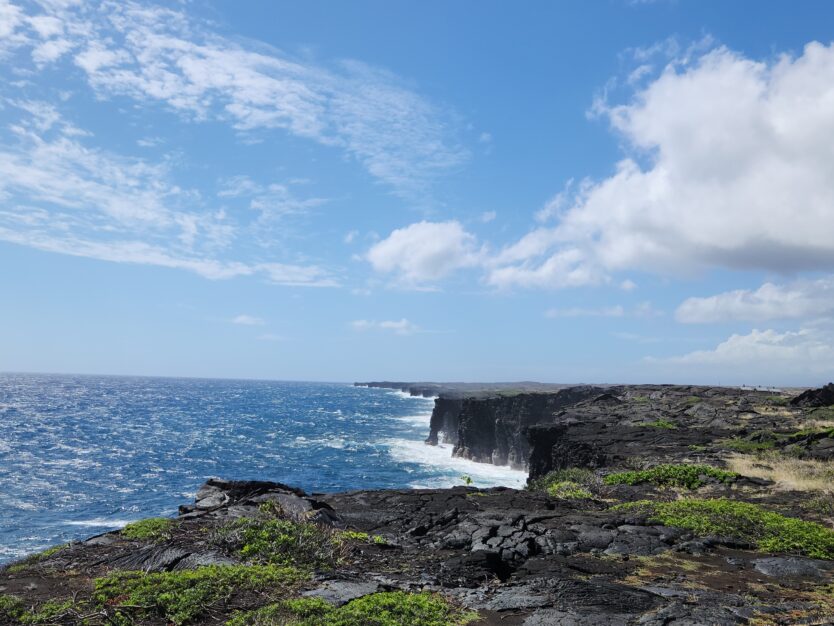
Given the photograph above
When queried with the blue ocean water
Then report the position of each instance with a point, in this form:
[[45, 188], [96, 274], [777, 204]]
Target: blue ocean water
[[80, 455]]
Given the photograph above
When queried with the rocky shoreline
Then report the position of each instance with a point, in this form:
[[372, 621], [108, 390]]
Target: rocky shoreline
[[645, 505]]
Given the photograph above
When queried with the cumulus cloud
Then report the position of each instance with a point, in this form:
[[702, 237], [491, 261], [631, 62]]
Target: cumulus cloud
[[398, 327], [425, 251], [161, 55], [729, 165], [801, 299], [247, 320], [777, 357]]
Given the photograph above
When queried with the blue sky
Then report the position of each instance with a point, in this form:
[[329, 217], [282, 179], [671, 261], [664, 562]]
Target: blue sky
[[615, 191]]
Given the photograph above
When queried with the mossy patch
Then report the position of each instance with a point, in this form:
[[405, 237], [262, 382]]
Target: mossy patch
[[683, 475], [392, 608], [151, 529], [770, 531], [660, 423], [181, 597]]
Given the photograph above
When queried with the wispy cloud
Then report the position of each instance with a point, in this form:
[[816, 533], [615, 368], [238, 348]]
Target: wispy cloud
[[247, 320], [60, 195], [161, 55], [398, 327]]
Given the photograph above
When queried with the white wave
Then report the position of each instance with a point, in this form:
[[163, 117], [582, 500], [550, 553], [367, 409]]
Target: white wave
[[421, 419], [405, 395], [100, 522], [439, 459]]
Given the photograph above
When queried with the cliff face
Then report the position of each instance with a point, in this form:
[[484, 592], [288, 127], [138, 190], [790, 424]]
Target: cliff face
[[586, 426], [445, 421], [492, 429]]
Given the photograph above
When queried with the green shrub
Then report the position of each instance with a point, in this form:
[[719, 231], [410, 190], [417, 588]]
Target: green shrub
[[13, 611], [392, 608], [770, 531], [684, 475], [182, 596], [568, 490], [660, 423], [578, 475], [153, 529]]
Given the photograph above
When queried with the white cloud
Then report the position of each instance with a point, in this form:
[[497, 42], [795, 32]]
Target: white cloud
[[247, 320], [61, 196], [155, 54], [350, 236], [643, 310], [425, 251], [628, 285], [730, 166], [398, 327], [611, 311], [488, 216], [773, 356], [801, 299]]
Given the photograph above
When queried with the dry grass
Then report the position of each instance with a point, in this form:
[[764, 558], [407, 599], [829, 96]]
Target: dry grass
[[787, 472], [816, 424]]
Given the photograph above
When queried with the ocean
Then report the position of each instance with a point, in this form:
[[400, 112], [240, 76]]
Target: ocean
[[81, 455]]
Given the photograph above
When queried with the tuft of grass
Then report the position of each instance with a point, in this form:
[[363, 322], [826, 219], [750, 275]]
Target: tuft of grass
[[151, 529], [683, 475], [778, 400], [640, 399], [568, 490], [181, 597], [755, 443], [691, 400], [696, 447], [390, 608], [660, 423], [770, 531], [580, 476], [787, 472]]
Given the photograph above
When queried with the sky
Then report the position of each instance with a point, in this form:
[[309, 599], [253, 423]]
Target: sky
[[617, 191]]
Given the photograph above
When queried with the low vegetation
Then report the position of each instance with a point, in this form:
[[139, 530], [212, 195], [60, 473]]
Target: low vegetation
[[660, 423], [683, 475], [755, 443], [770, 531], [581, 476], [151, 529], [786, 471], [34, 559], [393, 608], [268, 539], [14, 611], [181, 597]]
